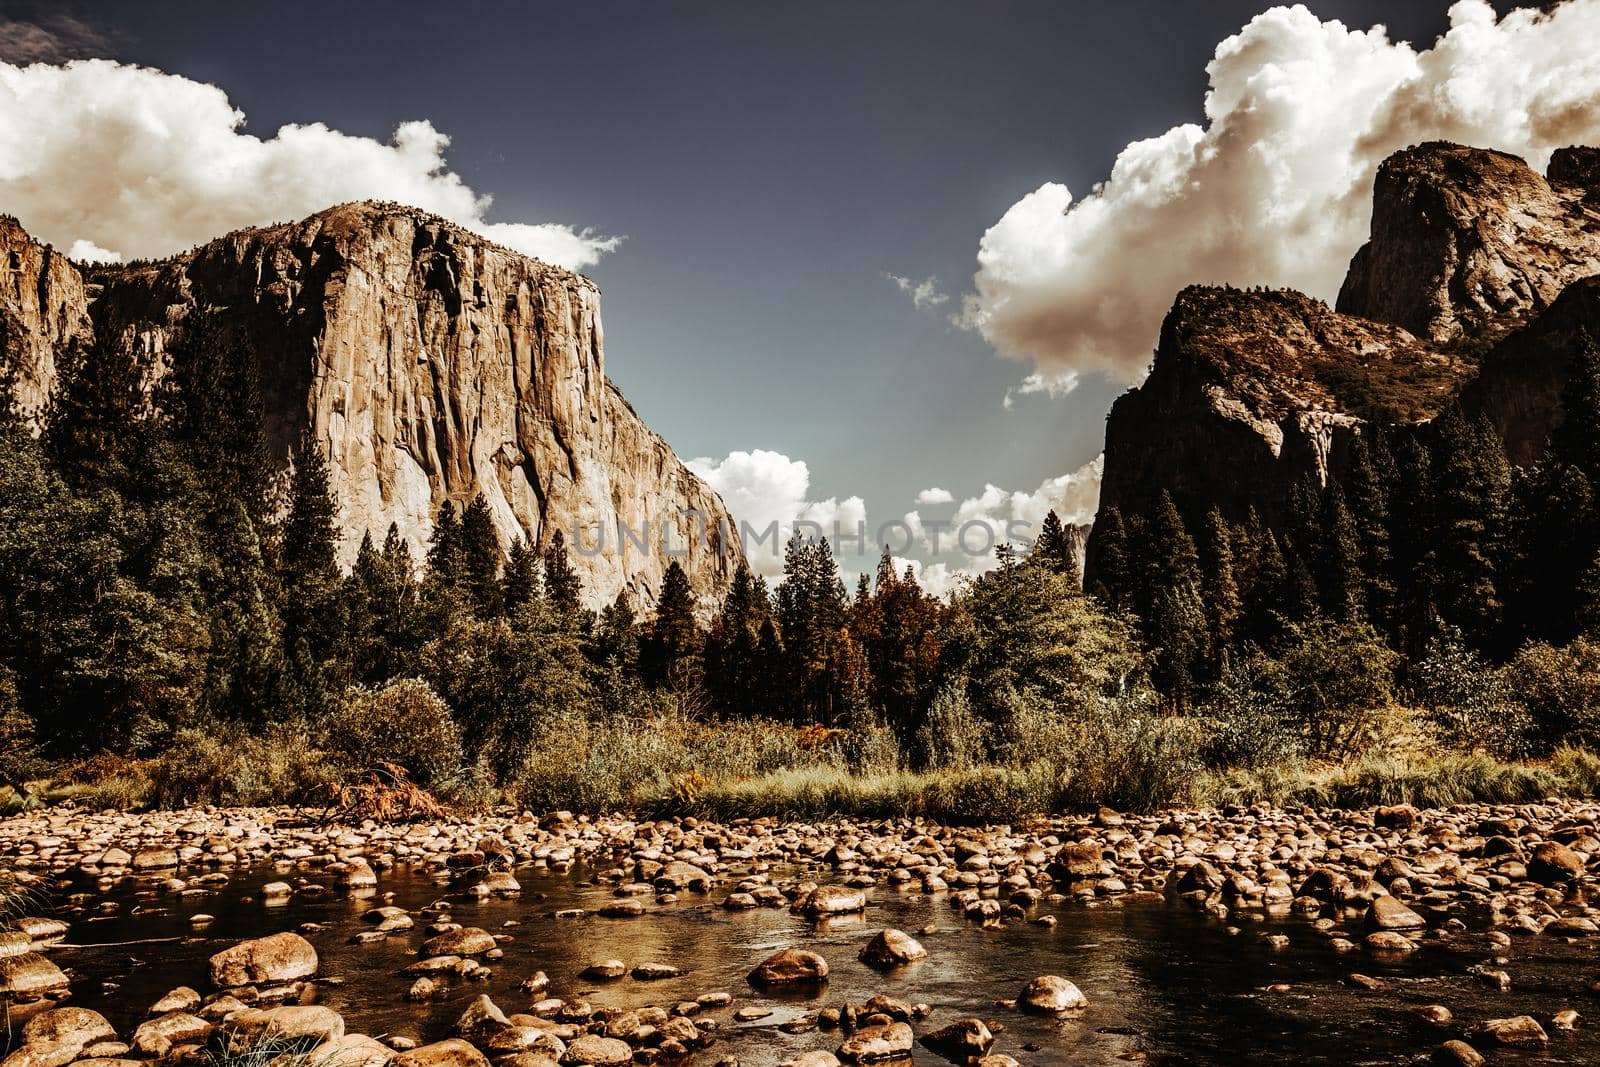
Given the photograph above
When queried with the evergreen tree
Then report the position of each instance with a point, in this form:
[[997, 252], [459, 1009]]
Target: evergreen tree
[[1338, 566], [307, 556], [1266, 585], [1575, 442], [213, 396], [562, 586], [1369, 480], [1413, 533], [1220, 587], [741, 649], [1471, 486], [520, 585], [480, 558], [1177, 620], [446, 548], [97, 416], [1111, 579], [674, 646], [1055, 547]]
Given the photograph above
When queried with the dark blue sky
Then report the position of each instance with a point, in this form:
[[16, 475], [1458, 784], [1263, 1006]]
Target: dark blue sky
[[768, 164]]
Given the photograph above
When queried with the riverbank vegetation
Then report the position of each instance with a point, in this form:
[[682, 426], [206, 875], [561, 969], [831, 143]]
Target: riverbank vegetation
[[176, 630]]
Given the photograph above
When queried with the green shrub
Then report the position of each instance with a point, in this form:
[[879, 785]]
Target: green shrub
[[1456, 778], [1336, 677], [1249, 718], [226, 764], [1128, 757], [1468, 701], [1559, 690], [952, 736], [991, 795], [405, 723]]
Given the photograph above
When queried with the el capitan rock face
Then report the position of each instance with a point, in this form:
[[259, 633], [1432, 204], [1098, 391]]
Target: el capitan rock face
[[1467, 242], [429, 364], [1475, 284]]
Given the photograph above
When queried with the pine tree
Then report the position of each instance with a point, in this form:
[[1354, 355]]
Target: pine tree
[[1055, 547], [674, 645], [1413, 533], [738, 665], [213, 396], [562, 586], [96, 417], [307, 557], [1267, 584], [1471, 486], [480, 558], [1575, 442], [1110, 580], [1369, 479], [520, 585], [446, 550], [1338, 567], [617, 635], [1219, 586], [1177, 618]]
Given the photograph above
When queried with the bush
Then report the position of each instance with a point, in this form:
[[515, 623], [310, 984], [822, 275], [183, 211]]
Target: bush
[[952, 736], [1129, 758], [1249, 718], [992, 794], [225, 764], [404, 723], [1042, 737], [1467, 700], [1559, 691], [1457, 778], [1336, 678]]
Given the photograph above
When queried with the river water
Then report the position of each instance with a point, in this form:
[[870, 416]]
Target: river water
[[1165, 983]]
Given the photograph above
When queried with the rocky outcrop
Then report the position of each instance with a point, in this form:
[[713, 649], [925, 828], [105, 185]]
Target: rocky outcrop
[[1521, 379], [44, 313], [1466, 243], [430, 365], [1475, 285], [1252, 392]]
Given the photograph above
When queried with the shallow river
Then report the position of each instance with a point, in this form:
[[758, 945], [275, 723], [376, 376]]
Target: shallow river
[[1165, 983]]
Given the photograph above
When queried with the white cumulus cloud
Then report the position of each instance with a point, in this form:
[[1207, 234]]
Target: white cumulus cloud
[[924, 294], [762, 488], [1275, 188], [119, 160], [935, 495]]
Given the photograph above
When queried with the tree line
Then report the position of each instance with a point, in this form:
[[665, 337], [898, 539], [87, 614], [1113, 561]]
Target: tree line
[[159, 574], [1427, 532]]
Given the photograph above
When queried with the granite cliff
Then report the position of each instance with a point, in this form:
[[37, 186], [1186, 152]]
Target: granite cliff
[[429, 364], [1476, 282]]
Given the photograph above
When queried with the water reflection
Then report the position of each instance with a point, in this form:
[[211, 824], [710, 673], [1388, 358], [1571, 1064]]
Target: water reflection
[[1165, 984]]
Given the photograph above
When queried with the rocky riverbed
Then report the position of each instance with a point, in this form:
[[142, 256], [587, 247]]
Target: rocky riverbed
[[1388, 935]]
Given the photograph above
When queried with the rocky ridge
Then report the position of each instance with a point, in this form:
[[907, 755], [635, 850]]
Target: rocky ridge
[[1474, 285], [428, 363]]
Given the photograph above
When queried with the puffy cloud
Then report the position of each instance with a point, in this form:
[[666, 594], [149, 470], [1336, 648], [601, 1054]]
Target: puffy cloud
[[941, 578], [1276, 187], [89, 252], [1073, 497], [1053, 386], [924, 294], [129, 161], [957, 551], [935, 495], [762, 488]]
